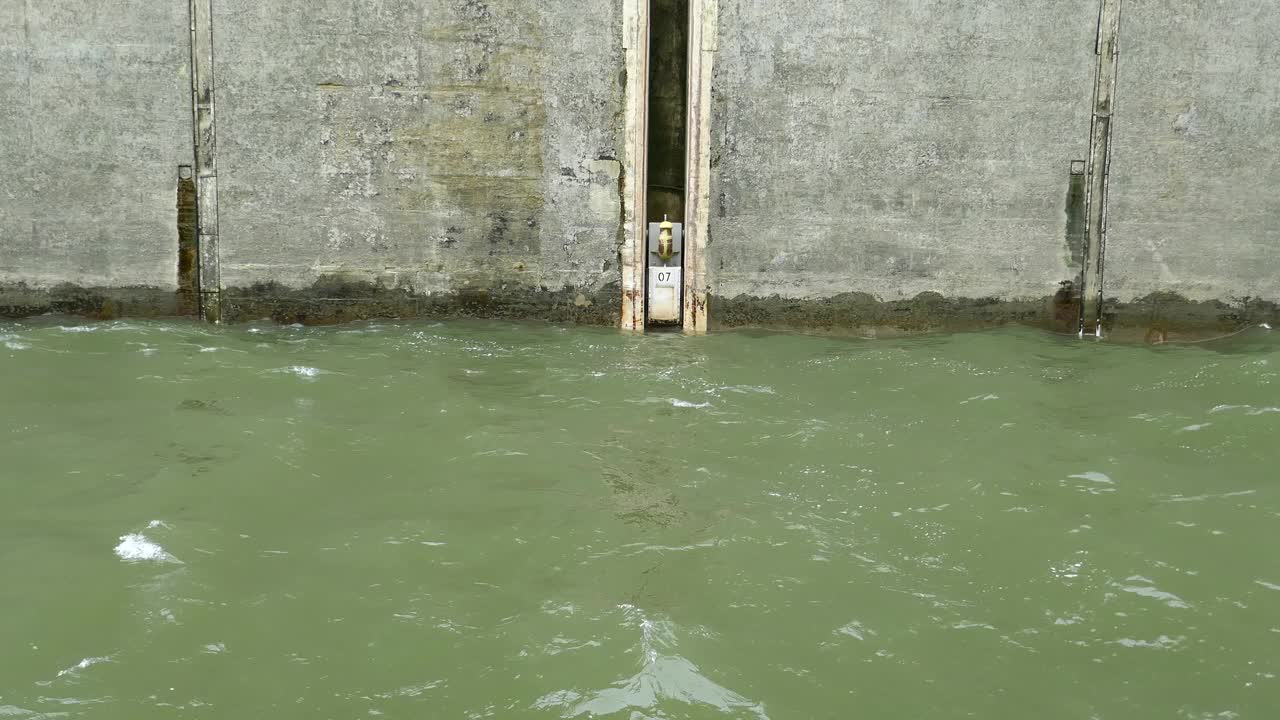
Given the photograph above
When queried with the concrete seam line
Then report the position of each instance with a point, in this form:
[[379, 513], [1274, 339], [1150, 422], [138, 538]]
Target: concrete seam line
[[1104, 96], [205, 149]]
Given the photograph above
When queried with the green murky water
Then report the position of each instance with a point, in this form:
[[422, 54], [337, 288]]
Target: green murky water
[[486, 520]]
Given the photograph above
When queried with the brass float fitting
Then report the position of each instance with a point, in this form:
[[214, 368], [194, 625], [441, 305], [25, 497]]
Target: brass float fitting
[[665, 245]]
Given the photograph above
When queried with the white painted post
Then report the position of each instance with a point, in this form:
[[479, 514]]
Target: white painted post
[[703, 28], [635, 38]]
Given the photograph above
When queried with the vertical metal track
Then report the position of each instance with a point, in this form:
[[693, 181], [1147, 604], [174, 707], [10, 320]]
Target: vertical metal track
[[635, 39], [703, 21], [206, 168], [1107, 49]]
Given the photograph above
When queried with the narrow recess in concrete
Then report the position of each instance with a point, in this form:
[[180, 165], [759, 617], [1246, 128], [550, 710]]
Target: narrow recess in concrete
[[1104, 96], [668, 105], [668, 96]]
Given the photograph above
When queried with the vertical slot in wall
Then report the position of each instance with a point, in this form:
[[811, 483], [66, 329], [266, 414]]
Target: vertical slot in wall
[[668, 95], [668, 107]]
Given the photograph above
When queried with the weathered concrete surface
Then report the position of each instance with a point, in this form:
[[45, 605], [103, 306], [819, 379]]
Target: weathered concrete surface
[[1195, 185], [895, 149], [862, 311], [703, 45], [632, 182], [94, 120], [884, 164], [19, 300], [445, 149], [1167, 316], [333, 299]]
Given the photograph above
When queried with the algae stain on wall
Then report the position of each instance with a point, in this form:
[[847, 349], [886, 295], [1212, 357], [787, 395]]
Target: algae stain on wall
[[485, 153], [453, 162], [433, 148]]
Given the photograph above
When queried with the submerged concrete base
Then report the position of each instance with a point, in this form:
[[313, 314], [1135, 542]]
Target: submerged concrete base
[[854, 311], [328, 301], [1167, 317], [20, 300], [1157, 318], [334, 301]]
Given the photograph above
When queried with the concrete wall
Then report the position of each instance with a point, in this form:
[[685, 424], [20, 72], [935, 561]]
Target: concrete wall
[[95, 118], [460, 154], [1195, 183], [894, 149], [908, 163], [903, 164]]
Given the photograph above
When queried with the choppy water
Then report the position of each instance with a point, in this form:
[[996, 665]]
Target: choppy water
[[487, 520]]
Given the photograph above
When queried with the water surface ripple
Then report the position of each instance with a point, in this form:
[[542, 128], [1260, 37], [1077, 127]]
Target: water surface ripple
[[471, 520]]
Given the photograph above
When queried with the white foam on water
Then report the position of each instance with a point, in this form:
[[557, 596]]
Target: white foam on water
[[676, 402], [971, 625], [1167, 598], [744, 389], [1194, 428], [1200, 498], [1267, 585], [302, 371], [1249, 409], [663, 677], [1164, 642], [855, 629], [13, 342], [84, 664], [419, 689], [135, 547], [556, 700], [1094, 477]]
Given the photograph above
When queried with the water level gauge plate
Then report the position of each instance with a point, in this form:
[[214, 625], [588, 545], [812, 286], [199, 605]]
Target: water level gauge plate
[[664, 294]]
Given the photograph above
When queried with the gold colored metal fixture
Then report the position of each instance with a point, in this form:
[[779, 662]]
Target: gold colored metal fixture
[[665, 246]]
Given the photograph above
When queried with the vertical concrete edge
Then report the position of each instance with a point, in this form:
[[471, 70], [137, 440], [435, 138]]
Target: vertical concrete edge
[[204, 138], [703, 35], [635, 38], [1107, 48]]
